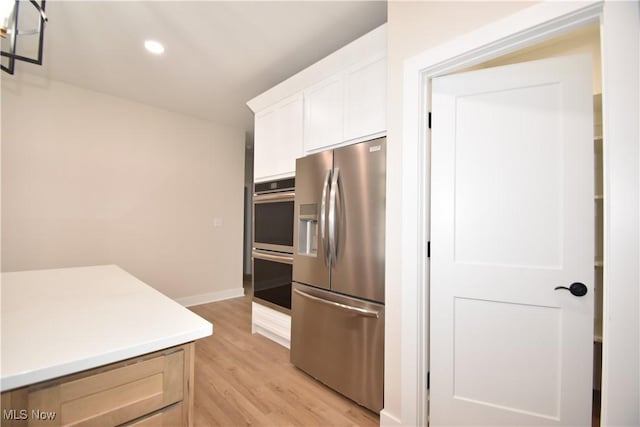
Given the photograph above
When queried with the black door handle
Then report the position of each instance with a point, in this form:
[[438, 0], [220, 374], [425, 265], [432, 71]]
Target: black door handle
[[577, 289]]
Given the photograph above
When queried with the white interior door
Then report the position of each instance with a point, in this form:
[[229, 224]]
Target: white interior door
[[512, 219]]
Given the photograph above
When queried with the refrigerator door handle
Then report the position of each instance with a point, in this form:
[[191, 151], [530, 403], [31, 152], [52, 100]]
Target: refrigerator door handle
[[333, 227], [357, 310], [323, 220]]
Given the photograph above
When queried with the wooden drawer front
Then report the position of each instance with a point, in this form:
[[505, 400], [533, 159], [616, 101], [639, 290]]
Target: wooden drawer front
[[169, 417], [113, 397]]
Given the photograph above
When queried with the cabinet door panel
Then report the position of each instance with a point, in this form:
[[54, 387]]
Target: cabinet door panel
[[264, 140], [278, 139], [366, 99], [168, 417], [158, 385], [324, 111], [111, 397], [289, 131]]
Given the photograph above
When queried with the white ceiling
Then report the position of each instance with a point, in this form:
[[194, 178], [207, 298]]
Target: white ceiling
[[218, 54]]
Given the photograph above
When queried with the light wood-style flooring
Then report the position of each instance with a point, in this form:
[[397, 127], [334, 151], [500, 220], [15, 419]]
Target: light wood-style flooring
[[245, 379]]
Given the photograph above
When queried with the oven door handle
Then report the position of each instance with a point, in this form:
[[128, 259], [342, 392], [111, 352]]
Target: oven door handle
[[286, 196], [357, 310], [285, 259]]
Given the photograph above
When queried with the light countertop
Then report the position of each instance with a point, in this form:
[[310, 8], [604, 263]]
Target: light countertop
[[57, 322]]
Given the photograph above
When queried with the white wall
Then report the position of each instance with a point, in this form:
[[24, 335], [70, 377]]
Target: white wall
[[413, 27], [94, 179]]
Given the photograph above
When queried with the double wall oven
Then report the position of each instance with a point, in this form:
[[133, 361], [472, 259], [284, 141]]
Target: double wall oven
[[273, 210]]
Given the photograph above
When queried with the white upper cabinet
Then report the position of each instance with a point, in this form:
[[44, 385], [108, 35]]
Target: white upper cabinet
[[339, 100], [365, 110], [324, 113], [347, 107], [278, 139]]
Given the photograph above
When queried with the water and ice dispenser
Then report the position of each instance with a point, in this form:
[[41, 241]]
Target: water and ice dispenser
[[308, 230]]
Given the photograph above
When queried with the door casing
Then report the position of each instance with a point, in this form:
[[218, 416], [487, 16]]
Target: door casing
[[523, 29]]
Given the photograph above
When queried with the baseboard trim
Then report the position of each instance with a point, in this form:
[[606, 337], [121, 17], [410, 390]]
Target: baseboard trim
[[210, 297], [387, 419], [271, 323], [273, 337]]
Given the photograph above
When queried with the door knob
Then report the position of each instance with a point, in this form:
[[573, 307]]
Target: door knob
[[577, 289]]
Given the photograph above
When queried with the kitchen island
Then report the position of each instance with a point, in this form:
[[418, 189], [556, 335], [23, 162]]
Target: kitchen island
[[94, 346]]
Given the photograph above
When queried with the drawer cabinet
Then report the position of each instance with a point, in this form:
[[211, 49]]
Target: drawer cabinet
[[167, 417], [155, 386]]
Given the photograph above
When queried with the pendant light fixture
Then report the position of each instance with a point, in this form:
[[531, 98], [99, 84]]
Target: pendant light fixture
[[10, 32]]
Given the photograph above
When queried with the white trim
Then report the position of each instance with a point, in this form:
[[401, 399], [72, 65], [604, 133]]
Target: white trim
[[260, 330], [530, 26], [274, 177], [271, 323], [389, 420], [358, 50], [347, 142], [210, 297], [525, 28], [621, 162]]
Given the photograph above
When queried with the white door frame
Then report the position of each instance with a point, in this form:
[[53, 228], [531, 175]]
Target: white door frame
[[620, 28]]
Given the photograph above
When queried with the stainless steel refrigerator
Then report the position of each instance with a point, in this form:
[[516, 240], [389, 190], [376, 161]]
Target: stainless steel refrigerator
[[337, 314]]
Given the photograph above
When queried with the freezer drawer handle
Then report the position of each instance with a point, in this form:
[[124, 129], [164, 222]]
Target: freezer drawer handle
[[360, 311]]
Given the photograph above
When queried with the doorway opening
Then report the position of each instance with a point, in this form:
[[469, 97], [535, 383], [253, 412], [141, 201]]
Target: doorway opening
[[248, 215], [619, 30], [583, 40]]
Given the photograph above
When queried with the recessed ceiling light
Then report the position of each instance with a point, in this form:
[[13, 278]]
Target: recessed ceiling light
[[154, 47]]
